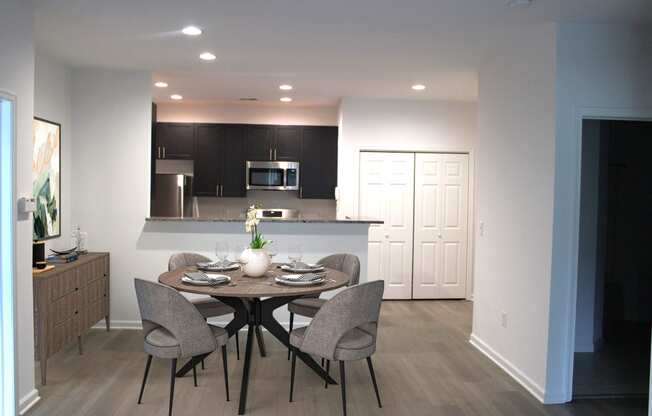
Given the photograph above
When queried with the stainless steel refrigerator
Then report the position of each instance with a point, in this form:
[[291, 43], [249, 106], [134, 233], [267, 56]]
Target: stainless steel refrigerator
[[172, 196]]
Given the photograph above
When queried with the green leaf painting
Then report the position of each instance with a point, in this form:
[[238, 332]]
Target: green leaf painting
[[46, 176]]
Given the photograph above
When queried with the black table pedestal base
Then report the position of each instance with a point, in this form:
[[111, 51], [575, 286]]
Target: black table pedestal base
[[255, 313]]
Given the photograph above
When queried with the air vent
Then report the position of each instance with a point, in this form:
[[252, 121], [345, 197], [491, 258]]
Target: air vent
[[248, 99]]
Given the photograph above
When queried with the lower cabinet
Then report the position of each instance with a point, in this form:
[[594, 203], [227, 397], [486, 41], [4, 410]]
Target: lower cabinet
[[68, 301]]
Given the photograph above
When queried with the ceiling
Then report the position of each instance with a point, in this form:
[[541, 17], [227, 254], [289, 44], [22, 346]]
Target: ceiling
[[327, 49]]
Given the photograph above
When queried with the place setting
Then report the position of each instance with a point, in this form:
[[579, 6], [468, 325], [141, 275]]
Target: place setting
[[301, 274], [223, 264]]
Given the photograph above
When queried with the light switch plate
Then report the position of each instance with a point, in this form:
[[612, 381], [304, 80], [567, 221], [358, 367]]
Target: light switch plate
[[26, 205]]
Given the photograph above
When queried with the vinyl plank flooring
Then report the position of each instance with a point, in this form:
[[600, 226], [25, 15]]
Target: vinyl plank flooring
[[424, 366]]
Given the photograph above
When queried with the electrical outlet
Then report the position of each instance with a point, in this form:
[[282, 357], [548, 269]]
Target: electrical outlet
[[503, 319]]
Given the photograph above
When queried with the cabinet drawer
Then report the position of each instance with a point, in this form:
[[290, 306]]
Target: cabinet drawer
[[64, 333], [97, 290], [91, 271], [66, 307], [95, 312], [63, 284]]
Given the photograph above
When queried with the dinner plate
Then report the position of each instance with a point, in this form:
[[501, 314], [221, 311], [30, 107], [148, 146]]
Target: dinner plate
[[298, 282], [213, 282], [311, 268], [231, 267]]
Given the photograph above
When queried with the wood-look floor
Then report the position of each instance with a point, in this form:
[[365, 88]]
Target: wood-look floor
[[424, 364]]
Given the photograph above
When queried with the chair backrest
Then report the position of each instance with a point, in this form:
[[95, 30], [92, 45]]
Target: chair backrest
[[162, 306], [180, 260], [346, 263], [355, 307]]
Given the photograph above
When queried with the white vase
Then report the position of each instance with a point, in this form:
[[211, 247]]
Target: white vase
[[256, 261]]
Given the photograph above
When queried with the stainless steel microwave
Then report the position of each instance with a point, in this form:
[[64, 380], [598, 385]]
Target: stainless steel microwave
[[274, 176]]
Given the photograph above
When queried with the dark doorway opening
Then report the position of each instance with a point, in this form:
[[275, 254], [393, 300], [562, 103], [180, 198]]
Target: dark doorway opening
[[614, 303]]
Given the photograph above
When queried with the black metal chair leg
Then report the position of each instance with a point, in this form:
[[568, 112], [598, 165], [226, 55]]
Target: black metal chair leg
[[291, 324], [173, 374], [373, 380], [194, 374], [142, 387], [202, 365], [237, 345], [328, 368], [226, 371], [294, 364], [343, 384]]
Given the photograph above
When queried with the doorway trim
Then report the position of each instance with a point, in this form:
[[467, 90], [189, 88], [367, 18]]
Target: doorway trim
[[581, 114], [357, 150], [8, 212]]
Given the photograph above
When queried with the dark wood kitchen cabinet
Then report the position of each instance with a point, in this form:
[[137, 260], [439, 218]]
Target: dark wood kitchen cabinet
[[219, 167], [175, 141], [319, 163], [287, 143], [259, 141], [274, 143]]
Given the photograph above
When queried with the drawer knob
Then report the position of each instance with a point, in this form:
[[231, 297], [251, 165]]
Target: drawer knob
[[76, 288], [76, 312], [106, 274]]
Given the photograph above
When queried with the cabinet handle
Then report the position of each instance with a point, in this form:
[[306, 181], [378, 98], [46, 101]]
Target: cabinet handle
[[217, 190], [221, 190], [163, 152], [270, 154], [301, 192], [274, 153]]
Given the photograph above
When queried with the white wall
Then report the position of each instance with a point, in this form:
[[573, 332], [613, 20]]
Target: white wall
[[111, 160], [52, 102], [602, 71], [246, 113], [514, 199], [17, 78]]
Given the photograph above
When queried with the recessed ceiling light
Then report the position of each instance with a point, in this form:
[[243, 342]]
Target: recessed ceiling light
[[418, 87], [286, 99], [191, 31], [161, 84], [207, 56], [176, 97], [285, 87]]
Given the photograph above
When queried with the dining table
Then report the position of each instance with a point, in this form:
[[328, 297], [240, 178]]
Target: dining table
[[254, 300]]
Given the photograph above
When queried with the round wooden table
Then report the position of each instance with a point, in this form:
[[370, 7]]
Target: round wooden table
[[245, 295]]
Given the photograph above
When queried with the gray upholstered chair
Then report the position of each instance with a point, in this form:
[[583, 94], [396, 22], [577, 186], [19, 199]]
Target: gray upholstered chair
[[207, 306], [309, 305], [344, 329], [174, 329]]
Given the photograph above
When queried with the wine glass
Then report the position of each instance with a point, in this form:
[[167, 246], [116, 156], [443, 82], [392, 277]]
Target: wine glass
[[272, 250], [222, 252], [295, 254]]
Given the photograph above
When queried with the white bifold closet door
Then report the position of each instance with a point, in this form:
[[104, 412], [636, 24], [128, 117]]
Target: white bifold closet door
[[387, 193], [440, 225]]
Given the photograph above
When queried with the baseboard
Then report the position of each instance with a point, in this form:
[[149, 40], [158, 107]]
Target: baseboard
[[532, 387], [28, 401], [121, 324]]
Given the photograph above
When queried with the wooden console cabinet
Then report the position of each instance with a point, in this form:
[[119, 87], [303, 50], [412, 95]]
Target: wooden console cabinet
[[68, 301]]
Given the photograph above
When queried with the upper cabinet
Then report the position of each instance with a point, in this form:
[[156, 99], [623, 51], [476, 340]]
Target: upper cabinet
[[273, 143], [174, 141], [233, 165], [219, 167], [319, 163]]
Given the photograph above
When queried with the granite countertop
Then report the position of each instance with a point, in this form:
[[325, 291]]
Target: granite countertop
[[301, 219]]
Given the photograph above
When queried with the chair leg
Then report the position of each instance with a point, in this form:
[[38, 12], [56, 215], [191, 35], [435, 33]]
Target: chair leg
[[294, 364], [291, 324], [142, 387], [343, 384], [328, 369], [173, 376], [194, 374], [202, 364], [226, 371], [322, 363], [237, 346], [373, 380]]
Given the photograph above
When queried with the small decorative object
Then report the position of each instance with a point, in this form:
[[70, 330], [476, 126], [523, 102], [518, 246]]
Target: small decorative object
[[255, 258], [46, 179]]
